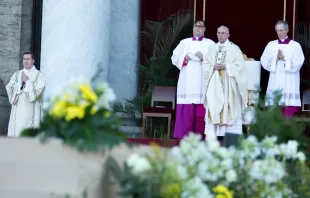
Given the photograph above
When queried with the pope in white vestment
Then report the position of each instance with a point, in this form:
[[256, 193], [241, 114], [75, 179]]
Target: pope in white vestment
[[188, 57], [225, 79], [24, 91], [283, 58]]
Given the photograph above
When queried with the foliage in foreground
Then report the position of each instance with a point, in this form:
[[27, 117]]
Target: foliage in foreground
[[205, 169], [81, 116], [271, 122]]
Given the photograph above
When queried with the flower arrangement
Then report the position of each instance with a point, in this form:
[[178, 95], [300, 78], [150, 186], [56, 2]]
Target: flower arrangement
[[81, 115], [204, 169]]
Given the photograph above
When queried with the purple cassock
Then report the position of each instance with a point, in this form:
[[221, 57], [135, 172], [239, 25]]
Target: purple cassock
[[189, 117], [190, 111]]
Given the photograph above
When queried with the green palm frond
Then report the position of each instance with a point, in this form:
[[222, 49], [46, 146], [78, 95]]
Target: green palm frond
[[156, 73], [160, 36]]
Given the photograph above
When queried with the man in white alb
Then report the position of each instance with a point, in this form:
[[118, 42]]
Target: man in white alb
[[24, 91], [283, 58], [225, 79], [188, 57]]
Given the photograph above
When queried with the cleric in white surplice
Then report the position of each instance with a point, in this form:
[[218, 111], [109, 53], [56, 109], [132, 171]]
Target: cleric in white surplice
[[24, 91], [283, 58], [188, 57]]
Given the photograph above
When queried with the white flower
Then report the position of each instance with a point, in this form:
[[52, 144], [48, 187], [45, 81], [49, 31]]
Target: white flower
[[213, 145], [132, 160], [301, 156], [185, 147], [227, 163], [269, 170], [250, 147], [182, 171], [195, 188], [289, 150], [274, 192], [107, 97], [138, 164], [210, 170], [192, 138], [269, 146], [222, 152], [231, 176]]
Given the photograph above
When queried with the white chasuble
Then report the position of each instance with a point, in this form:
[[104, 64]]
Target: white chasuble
[[225, 94], [25, 101], [284, 75], [190, 83]]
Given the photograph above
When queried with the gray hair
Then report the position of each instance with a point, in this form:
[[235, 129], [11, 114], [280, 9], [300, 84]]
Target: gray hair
[[223, 26], [284, 23]]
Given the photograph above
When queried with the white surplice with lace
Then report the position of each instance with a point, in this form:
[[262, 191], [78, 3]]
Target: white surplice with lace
[[190, 84], [25, 101], [284, 75]]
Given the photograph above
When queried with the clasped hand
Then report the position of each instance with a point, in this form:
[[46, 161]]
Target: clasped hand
[[198, 54], [219, 66], [280, 55], [24, 77]]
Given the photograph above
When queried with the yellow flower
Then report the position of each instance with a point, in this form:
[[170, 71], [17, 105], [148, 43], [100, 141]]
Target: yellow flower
[[223, 192], [155, 147], [171, 190], [75, 112], [107, 114], [67, 97], [88, 93], [59, 109]]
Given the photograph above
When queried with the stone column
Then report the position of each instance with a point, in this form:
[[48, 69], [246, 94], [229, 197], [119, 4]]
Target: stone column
[[15, 39], [124, 47], [75, 38]]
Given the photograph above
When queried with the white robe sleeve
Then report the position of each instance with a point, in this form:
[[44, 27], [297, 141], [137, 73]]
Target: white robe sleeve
[[178, 55], [296, 62], [35, 88], [13, 88], [268, 60]]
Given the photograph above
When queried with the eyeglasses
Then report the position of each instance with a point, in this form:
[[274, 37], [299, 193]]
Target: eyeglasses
[[222, 33], [199, 26]]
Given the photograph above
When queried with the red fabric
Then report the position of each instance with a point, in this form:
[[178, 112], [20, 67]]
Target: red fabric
[[184, 62], [161, 142]]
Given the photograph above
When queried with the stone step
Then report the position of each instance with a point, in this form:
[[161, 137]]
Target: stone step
[[127, 120], [131, 131]]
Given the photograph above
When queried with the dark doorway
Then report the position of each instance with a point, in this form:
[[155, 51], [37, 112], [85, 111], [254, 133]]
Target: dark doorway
[[36, 30]]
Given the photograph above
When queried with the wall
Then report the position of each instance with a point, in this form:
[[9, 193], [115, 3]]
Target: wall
[[15, 39], [124, 45], [75, 38]]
